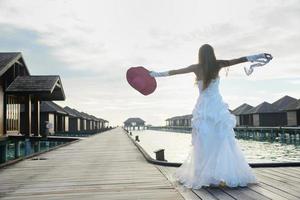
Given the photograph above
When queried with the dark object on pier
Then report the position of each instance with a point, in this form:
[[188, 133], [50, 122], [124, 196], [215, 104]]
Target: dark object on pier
[[129, 133], [160, 154], [137, 138]]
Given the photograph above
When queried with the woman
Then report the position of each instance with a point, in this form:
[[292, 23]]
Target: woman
[[215, 157]]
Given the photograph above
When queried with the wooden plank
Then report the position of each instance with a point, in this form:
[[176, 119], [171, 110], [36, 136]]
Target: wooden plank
[[185, 192], [290, 183], [204, 194], [219, 193], [265, 192], [277, 191], [244, 193], [286, 172], [267, 180]]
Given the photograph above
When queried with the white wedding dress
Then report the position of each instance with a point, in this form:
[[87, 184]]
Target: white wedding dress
[[214, 157]]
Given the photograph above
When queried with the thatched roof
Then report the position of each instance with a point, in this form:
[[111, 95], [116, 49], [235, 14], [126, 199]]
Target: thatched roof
[[264, 107], [49, 106], [136, 120], [282, 103], [7, 59], [242, 109], [293, 106], [46, 87]]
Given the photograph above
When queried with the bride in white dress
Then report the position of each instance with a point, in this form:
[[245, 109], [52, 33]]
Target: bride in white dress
[[214, 157]]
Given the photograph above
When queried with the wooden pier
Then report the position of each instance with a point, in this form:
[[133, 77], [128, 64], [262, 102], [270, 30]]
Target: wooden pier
[[109, 166], [104, 166]]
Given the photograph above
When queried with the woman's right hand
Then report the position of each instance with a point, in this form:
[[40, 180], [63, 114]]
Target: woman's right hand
[[158, 74]]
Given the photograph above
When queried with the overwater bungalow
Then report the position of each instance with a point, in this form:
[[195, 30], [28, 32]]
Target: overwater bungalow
[[184, 121], [96, 122], [293, 113], [19, 87], [242, 118], [103, 123], [55, 115], [82, 120], [281, 105], [89, 121], [133, 123], [266, 114], [74, 119]]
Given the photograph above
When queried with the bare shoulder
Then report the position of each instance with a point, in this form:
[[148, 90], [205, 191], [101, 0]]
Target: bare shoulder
[[222, 63], [195, 67]]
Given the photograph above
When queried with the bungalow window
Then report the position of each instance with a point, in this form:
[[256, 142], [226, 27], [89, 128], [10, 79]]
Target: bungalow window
[[12, 114]]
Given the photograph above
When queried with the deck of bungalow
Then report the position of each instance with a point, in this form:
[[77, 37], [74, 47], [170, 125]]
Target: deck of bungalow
[[110, 166]]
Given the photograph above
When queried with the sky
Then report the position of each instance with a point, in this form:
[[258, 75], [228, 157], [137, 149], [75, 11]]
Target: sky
[[91, 44]]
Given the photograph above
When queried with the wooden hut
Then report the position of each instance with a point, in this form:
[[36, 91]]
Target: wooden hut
[[96, 122], [293, 113], [89, 121], [266, 114], [56, 115], [19, 87], [83, 126], [103, 123], [184, 121], [243, 119], [281, 105], [74, 119], [133, 123]]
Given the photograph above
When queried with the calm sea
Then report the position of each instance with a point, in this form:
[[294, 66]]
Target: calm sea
[[176, 147]]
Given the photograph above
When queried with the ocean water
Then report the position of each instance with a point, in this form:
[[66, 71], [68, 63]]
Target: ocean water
[[176, 147]]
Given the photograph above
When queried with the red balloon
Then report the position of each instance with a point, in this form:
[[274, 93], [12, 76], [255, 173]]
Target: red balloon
[[140, 79]]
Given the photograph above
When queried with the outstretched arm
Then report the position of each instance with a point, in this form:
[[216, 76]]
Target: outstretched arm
[[227, 63], [191, 68]]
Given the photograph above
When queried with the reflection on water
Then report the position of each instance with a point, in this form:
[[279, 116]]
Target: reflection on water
[[27, 147], [176, 147]]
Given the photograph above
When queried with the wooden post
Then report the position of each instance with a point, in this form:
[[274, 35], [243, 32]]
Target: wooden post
[[27, 115], [55, 123], [36, 146], [17, 149], [36, 117], [3, 152]]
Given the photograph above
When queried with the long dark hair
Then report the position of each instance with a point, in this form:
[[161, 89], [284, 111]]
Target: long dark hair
[[208, 64]]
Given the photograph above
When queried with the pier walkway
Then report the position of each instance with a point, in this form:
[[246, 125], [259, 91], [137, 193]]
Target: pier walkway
[[105, 166], [109, 166]]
